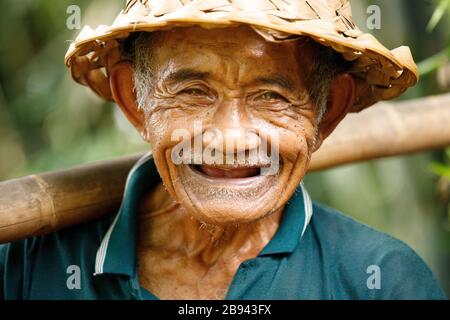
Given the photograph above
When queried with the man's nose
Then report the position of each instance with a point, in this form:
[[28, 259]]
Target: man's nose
[[232, 129]]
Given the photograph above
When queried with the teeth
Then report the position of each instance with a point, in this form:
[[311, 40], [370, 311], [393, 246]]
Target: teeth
[[219, 172], [235, 166], [242, 159], [228, 165]]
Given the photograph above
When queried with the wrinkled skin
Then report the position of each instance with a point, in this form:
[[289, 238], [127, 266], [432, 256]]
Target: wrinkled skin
[[205, 220]]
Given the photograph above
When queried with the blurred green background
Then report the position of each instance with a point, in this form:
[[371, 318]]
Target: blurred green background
[[48, 122]]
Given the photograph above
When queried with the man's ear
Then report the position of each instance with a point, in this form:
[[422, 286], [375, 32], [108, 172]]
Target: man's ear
[[122, 88], [340, 101]]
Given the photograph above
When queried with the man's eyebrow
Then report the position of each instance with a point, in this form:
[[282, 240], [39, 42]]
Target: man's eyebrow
[[186, 74], [277, 80]]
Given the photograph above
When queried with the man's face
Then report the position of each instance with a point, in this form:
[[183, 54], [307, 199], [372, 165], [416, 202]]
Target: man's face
[[230, 87]]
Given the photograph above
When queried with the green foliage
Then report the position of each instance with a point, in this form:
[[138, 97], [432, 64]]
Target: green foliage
[[434, 62], [442, 169], [442, 9]]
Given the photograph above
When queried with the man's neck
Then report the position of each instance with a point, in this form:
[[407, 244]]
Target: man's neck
[[169, 236]]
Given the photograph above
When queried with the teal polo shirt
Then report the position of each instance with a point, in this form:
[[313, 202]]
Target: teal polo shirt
[[317, 253]]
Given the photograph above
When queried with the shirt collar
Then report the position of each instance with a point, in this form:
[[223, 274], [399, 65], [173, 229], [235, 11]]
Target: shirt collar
[[295, 220], [117, 251]]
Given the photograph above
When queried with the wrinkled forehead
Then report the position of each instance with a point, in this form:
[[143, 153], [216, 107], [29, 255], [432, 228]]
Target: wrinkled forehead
[[239, 48]]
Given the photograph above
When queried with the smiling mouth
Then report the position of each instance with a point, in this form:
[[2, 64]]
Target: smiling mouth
[[228, 172]]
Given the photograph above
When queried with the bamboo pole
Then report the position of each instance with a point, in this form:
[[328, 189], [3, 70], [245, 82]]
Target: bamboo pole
[[42, 203], [387, 130]]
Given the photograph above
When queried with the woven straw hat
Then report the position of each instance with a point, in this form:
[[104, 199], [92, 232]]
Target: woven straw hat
[[380, 74]]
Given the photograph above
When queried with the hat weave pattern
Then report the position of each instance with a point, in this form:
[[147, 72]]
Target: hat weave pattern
[[380, 74]]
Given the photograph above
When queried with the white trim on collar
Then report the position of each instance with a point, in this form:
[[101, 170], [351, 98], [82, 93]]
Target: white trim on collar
[[101, 252], [307, 203]]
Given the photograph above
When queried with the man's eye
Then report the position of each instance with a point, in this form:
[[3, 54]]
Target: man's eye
[[194, 92], [271, 96]]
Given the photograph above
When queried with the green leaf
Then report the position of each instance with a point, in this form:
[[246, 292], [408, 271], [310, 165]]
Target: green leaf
[[447, 153], [432, 63], [438, 14], [441, 170]]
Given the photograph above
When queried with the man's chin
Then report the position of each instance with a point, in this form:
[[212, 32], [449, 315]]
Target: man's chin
[[223, 200], [220, 215]]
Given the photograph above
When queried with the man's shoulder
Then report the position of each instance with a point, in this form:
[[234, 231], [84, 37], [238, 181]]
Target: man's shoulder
[[357, 251], [90, 232], [39, 267], [344, 231], [350, 240], [64, 245]]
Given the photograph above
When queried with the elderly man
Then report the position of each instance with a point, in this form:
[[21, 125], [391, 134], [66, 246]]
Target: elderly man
[[233, 97]]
